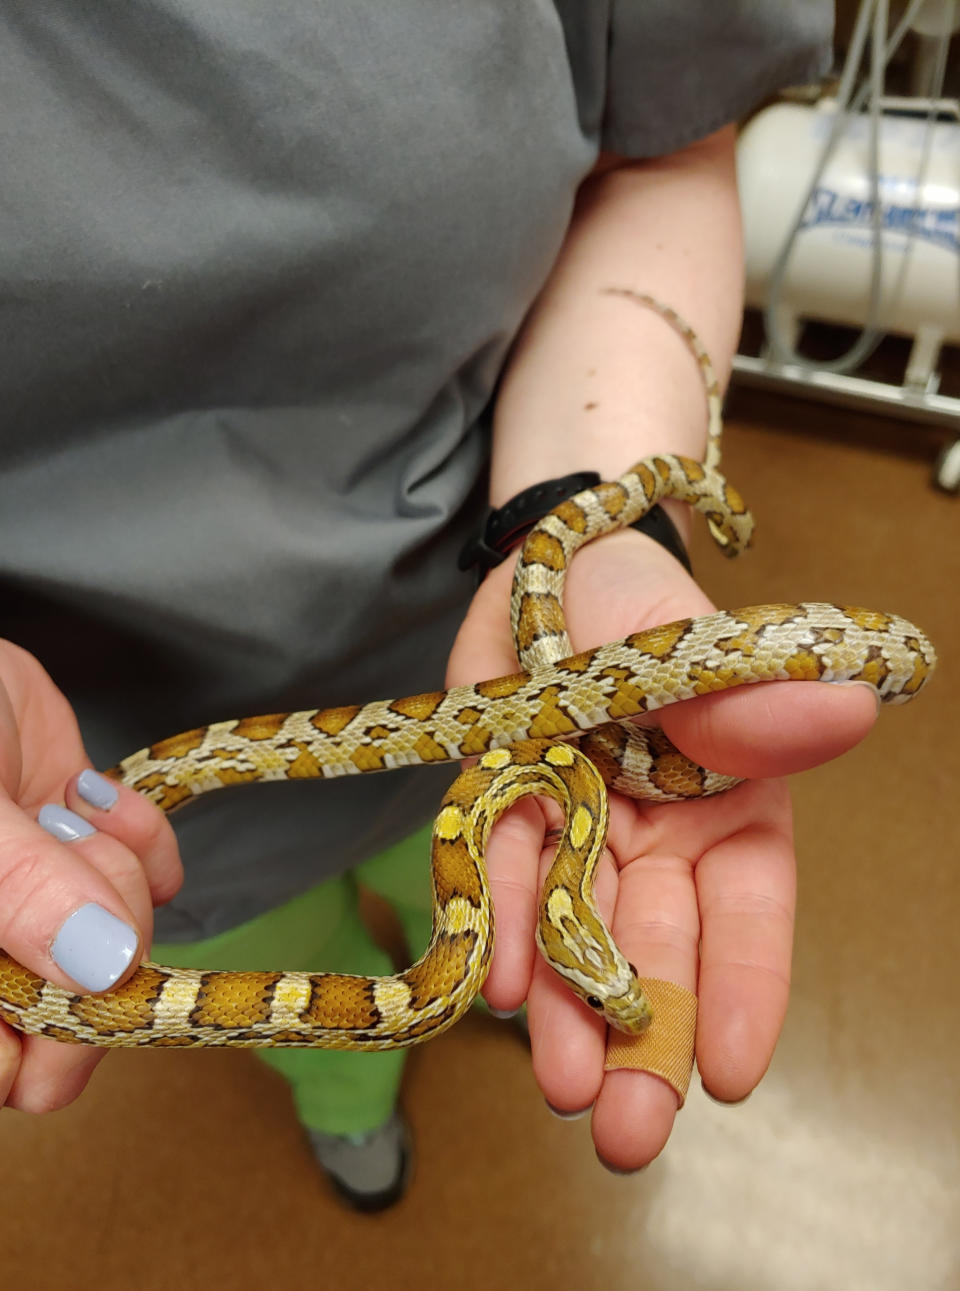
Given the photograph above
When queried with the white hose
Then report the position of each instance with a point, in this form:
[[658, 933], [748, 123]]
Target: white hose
[[847, 103]]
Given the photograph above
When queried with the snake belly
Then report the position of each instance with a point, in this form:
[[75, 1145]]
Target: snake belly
[[513, 724]]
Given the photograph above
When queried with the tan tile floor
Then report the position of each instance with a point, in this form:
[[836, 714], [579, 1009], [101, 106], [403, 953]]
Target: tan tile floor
[[187, 1170]]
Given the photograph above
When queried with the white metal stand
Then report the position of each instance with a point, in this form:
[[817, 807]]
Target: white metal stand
[[917, 399]]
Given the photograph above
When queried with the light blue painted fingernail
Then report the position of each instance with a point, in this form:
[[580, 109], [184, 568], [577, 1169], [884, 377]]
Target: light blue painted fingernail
[[502, 1013], [97, 790], [63, 823], [94, 947]]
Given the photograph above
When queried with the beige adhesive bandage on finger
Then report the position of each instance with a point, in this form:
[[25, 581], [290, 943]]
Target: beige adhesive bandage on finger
[[665, 1049]]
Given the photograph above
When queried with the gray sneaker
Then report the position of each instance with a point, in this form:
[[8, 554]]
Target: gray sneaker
[[370, 1171]]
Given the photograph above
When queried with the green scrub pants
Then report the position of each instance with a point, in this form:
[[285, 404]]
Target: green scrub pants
[[337, 1091]]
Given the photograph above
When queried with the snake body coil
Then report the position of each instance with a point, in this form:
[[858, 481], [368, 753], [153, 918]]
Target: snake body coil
[[523, 729], [514, 723]]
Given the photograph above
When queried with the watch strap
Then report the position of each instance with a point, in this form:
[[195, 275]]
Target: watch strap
[[504, 528]]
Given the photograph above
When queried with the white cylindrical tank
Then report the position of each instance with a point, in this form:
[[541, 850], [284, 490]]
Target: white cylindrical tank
[[829, 271]]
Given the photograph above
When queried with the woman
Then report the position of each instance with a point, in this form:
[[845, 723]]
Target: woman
[[279, 285]]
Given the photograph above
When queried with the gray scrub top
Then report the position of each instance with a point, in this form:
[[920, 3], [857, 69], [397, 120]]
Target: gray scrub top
[[260, 266]]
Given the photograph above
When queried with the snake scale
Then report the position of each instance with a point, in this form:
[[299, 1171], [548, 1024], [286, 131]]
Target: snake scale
[[523, 730]]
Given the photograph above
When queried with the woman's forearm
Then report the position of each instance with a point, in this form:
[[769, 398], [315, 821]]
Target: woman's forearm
[[597, 381]]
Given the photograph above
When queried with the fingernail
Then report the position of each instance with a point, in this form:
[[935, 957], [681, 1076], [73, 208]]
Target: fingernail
[[725, 1102], [867, 686], [568, 1116], [63, 823], [94, 947], [619, 1170], [502, 1013], [97, 790]]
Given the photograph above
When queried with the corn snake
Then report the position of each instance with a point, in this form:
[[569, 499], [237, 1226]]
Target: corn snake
[[520, 728]]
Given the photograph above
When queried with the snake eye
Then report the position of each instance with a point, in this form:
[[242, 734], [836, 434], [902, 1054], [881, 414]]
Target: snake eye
[[594, 1002], [633, 970]]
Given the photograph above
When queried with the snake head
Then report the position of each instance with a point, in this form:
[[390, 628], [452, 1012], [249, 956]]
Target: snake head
[[576, 943], [628, 1011], [620, 1001]]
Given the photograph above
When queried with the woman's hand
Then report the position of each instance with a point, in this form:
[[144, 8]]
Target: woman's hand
[[699, 893], [82, 863]]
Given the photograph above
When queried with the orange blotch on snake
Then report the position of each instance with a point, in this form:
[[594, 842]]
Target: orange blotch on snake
[[541, 614], [126, 1008], [803, 666], [442, 970], [260, 728], [428, 749], [331, 721], [304, 766], [628, 698], [573, 516], [659, 642], [542, 548], [612, 497], [166, 796], [227, 1000], [367, 758], [648, 481], [178, 746], [476, 741], [21, 987], [233, 775], [501, 687], [455, 873], [872, 620], [341, 1002], [419, 707], [875, 671], [550, 719]]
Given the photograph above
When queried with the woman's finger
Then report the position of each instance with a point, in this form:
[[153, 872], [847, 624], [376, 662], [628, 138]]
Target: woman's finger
[[747, 892], [48, 1075], [656, 925], [134, 821], [10, 1044], [771, 729], [75, 908], [567, 1039], [74, 905], [512, 863]]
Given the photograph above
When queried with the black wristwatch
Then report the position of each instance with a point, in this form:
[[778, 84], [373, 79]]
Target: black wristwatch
[[504, 528]]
